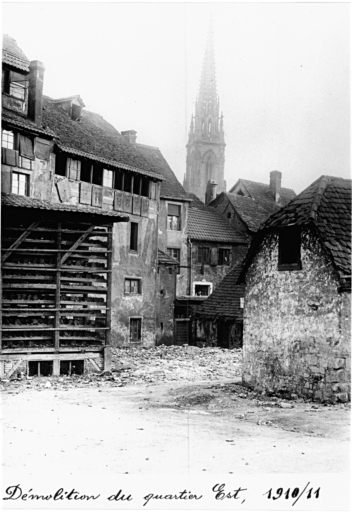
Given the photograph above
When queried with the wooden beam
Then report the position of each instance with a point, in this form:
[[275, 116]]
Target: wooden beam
[[76, 244], [94, 364], [14, 368], [58, 292], [49, 357], [19, 240]]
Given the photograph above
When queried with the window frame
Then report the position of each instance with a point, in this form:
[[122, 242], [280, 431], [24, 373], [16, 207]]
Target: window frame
[[7, 133], [27, 178], [129, 279], [108, 178], [202, 283], [173, 221]]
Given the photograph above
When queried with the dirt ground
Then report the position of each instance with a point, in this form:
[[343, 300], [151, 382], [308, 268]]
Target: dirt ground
[[172, 425]]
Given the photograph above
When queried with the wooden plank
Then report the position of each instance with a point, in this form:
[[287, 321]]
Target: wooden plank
[[64, 190], [21, 352], [109, 292], [94, 364], [97, 196], [85, 193], [76, 244], [50, 357], [108, 198], [118, 201], [127, 202], [145, 207], [19, 240], [58, 287], [136, 205], [14, 368]]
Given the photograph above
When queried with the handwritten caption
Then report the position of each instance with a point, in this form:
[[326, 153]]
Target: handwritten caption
[[219, 493]]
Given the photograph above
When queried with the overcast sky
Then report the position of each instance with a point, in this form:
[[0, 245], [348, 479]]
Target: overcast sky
[[282, 75]]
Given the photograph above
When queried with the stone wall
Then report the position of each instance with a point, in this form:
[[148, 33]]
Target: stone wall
[[297, 325], [166, 289]]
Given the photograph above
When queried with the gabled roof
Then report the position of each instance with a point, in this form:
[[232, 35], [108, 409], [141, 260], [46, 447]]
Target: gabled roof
[[92, 136], [204, 223], [19, 120], [261, 193], [13, 55], [171, 188], [224, 302], [250, 211], [24, 202], [326, 205], [166, 259]]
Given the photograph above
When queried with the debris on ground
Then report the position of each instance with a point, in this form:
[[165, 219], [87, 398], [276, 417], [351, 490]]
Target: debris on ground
[[145, 366]]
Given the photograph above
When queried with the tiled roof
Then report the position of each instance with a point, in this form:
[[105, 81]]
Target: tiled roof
[[165, 259], [261, 193], [13, 55], [224, 302], [95, 138], [327, 204], [171, 187], [18, 120], [250, 211], [15, 200], [204, 223]]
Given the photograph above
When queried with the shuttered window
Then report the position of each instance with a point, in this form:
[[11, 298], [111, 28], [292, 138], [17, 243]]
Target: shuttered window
[[135, 329]]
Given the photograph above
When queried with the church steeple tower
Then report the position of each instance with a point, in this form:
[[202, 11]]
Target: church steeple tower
[[206, 146]]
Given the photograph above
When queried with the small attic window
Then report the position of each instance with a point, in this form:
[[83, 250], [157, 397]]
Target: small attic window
[[240, 193], [76, 112], [290, 248]]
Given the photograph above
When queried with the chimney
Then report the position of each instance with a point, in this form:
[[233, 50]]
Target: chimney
[[210, 193], [130, 136], [275, 185], [35, 91]]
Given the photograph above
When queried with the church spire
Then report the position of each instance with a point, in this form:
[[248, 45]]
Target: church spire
[[206, 147]]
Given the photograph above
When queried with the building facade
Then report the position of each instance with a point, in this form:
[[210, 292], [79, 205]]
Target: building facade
[[206, 145], [297, 332]]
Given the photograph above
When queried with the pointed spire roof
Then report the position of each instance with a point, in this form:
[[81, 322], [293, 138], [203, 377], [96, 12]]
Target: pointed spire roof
[[207, 88]]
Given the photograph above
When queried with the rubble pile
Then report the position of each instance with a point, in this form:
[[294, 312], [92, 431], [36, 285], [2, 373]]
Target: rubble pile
[[176, 363], [148, 366]]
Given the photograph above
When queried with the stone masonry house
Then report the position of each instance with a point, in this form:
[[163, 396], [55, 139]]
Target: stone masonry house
[[58, 157], [297, 333]]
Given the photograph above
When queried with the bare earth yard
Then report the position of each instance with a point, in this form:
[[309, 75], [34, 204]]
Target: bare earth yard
[[173, 410]]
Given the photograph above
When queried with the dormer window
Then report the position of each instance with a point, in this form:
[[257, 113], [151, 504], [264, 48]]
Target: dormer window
[[15, 84], [73, 105]]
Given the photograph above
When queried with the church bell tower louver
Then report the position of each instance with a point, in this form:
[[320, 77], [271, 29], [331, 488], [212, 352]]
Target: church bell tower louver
[[206, 146]]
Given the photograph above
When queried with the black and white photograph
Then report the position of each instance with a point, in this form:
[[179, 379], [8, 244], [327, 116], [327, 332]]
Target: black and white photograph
[[175, 256]]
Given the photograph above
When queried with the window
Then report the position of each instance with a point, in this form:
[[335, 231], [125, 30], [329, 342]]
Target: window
[[133, 286], [204, 255], [174, 253], [202, 289], [107, 178], [134, 236], [135, 329], [97, 178], [19, 184], [290, 248], [25, 163], [224, 256], [86, 168], [174, 217], [73, 169], [7, 139], [17, 90]]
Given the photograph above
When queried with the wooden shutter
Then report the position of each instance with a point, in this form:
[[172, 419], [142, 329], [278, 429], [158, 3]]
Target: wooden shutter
[[145, 207], [118, 202], [127, 202], [214, 256], [42, 149], [26, 147], [85, 193], [97, 196], [64, 190], [136, 210]]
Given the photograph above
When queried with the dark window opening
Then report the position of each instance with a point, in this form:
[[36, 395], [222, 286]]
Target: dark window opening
[[170, 270], [97, 174], [40, 368], [204, 255], [202, 290], [133, 286], [134, 236], [60, 164], [224, 256], [161, 326], [137, 183], [118, 185], [290, 248], [135, 329], [240, 193], [72, 367], [174, 217], [86, 168], [229, 215], [145, 187], [128, 182]]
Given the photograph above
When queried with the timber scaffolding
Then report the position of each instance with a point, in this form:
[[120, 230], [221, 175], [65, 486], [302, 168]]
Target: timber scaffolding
[[56, 287]]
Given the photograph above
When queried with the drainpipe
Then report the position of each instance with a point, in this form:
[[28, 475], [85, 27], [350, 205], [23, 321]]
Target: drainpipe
[[190, 267]]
